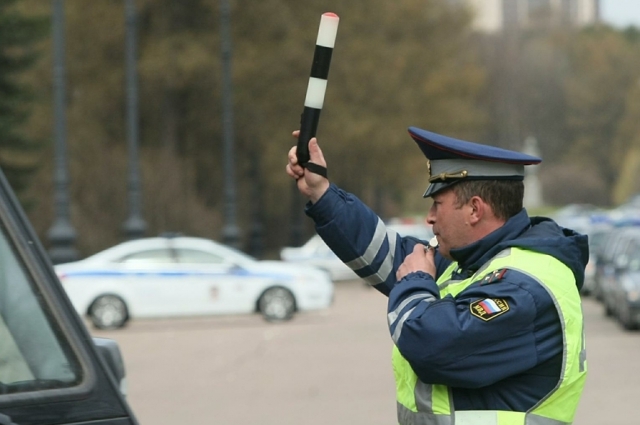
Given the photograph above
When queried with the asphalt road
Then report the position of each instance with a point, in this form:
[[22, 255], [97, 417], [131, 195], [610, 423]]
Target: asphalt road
[[331, 367]]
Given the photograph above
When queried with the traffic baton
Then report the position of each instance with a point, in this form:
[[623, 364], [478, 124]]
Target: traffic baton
[[314, 99]]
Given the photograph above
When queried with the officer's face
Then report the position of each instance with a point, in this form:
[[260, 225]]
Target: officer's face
[[450, 222]]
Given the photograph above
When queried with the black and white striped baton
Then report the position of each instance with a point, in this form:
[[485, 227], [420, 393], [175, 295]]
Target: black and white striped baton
[[315, 90]]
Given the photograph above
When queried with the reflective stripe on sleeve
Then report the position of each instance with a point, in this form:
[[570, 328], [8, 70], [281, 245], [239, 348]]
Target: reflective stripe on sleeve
[[398, 330], [386, 267], [392, 316], [387, 264], [372, 250]]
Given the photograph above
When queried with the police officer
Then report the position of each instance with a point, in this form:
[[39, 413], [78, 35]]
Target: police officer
[[487, 328]]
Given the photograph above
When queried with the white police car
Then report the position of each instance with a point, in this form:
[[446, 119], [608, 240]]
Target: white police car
[[188, 276]]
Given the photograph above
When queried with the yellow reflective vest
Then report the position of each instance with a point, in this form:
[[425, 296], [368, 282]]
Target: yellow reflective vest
[[420, 403]]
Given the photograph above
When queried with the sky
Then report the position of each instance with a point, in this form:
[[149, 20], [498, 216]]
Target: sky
[[621, 13]]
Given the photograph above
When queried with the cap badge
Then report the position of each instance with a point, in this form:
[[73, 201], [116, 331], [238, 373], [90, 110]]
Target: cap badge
[[444, 176]]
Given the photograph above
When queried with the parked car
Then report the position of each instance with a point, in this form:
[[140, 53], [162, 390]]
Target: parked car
[[316, 253], [187, 276], [604, 261], [612, 261], [597, 234], [51, 370], [624, 293]]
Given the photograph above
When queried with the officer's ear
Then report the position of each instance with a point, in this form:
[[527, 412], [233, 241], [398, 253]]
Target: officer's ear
[[477, 209]]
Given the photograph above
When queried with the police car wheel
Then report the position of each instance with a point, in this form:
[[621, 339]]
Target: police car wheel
[[108, 312], [277, 304]]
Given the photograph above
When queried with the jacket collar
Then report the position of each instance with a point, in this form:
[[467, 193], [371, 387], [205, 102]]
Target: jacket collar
[[474, 255]]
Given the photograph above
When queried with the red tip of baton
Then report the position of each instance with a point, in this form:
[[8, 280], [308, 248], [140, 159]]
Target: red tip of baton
[[330, 15]]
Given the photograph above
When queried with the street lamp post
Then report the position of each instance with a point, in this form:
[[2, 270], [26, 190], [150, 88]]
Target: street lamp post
[[297, 216], [61, 234], [135, 226], [230, 232], [256, 233]]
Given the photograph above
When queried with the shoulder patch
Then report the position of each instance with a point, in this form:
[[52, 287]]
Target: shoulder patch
[[488, 308], [493, 277]]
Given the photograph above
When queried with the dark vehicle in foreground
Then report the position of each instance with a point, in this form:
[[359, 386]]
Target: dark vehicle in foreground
[[51, 371]]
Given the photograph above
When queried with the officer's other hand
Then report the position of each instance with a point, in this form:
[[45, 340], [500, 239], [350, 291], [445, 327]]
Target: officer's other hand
[[421, 259], [310, 184]]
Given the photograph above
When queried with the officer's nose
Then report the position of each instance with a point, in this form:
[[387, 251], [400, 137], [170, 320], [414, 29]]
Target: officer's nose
[[431, 217]]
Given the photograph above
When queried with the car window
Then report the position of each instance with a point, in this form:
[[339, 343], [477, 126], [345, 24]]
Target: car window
[[150, 256], [607, 245], [614, 246], [195, 256], [33, 353], [597, 241], [622, 245]]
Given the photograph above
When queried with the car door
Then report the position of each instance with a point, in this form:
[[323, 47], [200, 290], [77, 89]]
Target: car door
[[604, 268], [224, 287], [626, 262], [159, 286]]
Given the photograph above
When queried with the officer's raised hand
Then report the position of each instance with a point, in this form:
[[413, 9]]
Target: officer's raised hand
[[421, 259], [310, 184]]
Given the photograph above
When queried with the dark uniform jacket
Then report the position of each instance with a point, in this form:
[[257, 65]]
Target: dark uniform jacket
[[509, 363]]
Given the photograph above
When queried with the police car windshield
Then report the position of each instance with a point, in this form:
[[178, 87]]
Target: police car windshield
[[33, 354]]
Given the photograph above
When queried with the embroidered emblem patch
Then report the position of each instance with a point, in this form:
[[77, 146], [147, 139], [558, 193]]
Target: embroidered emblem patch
[[489, 308]]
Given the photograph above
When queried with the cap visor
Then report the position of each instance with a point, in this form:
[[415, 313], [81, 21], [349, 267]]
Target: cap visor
[[436, 187]]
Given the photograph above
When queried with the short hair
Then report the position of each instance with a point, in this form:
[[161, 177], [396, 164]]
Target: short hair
[[503, 196]]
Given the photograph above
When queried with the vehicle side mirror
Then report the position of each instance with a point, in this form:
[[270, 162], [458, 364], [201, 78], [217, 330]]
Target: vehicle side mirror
[[234, 267], [110, 353]]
